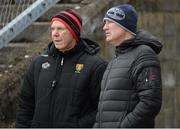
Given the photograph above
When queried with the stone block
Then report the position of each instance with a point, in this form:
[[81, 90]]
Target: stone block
[[55, 9], [177, 105], [70, 1], [168, 107], [151, 21], [178, 75], [156, 5], [169, 118], [168, 70], [169, 24], [177, 22], [170, 5], [177, 118], [33, 32], [169, 50], [160, 119]]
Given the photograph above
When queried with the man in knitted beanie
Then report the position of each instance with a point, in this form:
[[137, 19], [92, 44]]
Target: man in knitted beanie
[[62, 86], [66, 21], [131, 93]]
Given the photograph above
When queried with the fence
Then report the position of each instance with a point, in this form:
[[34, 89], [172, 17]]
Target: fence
[[9, 9], [16, 15]]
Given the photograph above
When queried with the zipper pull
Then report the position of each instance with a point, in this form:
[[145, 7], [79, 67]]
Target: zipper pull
[[62, 61], [53, 83]]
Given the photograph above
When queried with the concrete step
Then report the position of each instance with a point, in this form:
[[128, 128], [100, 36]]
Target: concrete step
[[70, 1], [14, 2], [55, 9], [46, 17], [33, 32], [12, 54], [41, 25], [7, 2], [18, 45]]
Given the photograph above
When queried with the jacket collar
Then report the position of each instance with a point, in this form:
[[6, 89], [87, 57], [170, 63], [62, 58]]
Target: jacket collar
[[53, 51]]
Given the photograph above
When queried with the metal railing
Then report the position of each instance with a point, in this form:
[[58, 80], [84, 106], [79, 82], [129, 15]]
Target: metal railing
[[24, 19]]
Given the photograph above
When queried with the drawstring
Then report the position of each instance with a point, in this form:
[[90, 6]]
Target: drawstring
[[56, 70]]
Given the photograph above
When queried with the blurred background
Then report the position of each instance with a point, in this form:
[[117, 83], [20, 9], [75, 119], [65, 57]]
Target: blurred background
[[24, 34]]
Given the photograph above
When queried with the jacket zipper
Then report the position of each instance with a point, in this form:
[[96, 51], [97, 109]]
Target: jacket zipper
[[62, 61], [53, 85]]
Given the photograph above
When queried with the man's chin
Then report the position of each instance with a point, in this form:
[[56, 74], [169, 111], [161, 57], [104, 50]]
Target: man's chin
[[58, 46], [108, 40]]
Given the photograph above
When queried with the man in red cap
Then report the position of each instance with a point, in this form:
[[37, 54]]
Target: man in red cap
[[61, 87]]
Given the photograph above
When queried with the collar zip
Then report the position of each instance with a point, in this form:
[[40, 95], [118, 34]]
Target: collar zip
[[54, 82], [62, 61]]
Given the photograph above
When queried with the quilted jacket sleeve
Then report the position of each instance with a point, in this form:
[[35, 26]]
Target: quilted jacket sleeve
[[147, 80]]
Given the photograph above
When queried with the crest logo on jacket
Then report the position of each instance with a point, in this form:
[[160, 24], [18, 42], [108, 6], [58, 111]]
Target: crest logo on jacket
[[45, 65], [79, 68]]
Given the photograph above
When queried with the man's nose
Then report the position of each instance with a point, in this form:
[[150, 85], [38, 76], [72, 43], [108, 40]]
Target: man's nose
[[105, 27], [55, 33]]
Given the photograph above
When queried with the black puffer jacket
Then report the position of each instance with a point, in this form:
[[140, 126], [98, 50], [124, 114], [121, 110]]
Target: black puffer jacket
[[131, 87], [62, 89]]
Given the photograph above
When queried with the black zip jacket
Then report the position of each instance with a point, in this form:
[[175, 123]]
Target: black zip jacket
[[131, 93], [62, 89]]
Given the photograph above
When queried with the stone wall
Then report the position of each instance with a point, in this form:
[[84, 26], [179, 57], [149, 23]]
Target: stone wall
[[162, 18]]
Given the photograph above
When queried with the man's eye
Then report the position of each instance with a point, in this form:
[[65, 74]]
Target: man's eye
[[60, 29], [51, 29]]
